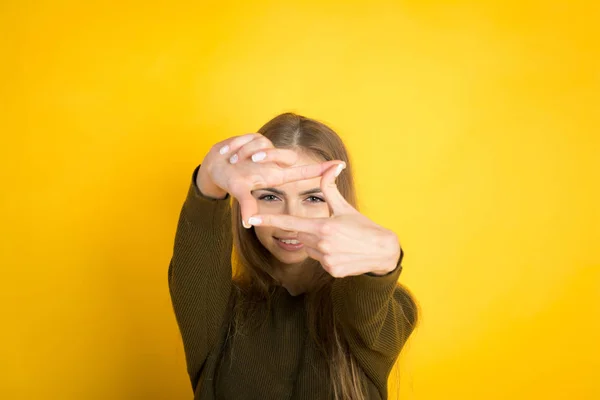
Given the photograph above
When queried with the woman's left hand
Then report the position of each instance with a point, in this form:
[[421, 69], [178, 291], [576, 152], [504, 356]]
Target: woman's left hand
[[347, 243]]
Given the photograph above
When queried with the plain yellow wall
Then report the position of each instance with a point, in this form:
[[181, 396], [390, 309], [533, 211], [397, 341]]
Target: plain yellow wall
[[475, 134]]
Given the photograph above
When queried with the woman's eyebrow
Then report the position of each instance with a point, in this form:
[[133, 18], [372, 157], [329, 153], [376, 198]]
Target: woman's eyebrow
[[281, 193], [311, 191]]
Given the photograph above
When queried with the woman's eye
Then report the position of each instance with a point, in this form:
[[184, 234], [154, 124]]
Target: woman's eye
[[268, 197], [315, 199]]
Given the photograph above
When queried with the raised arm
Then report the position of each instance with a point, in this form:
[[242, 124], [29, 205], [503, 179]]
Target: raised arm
[[377, 317], [200, 269], [200, 274], [376, 314]]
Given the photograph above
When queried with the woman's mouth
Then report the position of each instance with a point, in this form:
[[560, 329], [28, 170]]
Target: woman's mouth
[[289, 244]]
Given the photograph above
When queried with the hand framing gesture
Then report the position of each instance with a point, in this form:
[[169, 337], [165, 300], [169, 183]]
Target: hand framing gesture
[[347, 243]]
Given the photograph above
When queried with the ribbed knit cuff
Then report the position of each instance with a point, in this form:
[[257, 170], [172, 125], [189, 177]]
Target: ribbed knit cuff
[[370, 282], [202, 209], [398, 265]]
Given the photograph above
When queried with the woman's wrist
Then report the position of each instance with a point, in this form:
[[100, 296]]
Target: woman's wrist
[[394, 264], [206, 187]]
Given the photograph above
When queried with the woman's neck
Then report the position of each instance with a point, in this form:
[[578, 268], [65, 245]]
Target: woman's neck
[[296, 278]]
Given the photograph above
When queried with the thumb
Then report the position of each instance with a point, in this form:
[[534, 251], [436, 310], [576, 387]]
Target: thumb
[[248, 208], [334, 198]]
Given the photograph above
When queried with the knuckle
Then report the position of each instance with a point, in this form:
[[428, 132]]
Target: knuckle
[[254, 146], [263, 141], [323, 246], [287, 154], [274, 154], [236, 141], [241, 141], [243, 151], [336, 272], [326, 229], [252, 136]]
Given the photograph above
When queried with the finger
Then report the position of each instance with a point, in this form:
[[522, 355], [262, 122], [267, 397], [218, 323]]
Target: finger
[[314, 254], [303, 172], [310, 240], [334, 198], [219, 145], [232, 145], [284, 157], [248, 208], [288, 222], [254, 146]]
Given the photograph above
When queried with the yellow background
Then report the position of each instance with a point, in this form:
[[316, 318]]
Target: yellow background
[[474, 128]]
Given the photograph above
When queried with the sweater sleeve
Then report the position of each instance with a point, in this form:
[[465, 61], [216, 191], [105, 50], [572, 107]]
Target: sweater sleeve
[[200, 274], [377, 317]]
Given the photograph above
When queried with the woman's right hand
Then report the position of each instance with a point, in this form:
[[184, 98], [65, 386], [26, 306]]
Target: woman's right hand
[[241, 164]]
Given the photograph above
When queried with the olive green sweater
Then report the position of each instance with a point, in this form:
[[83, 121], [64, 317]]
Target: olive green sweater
[[279, 360]]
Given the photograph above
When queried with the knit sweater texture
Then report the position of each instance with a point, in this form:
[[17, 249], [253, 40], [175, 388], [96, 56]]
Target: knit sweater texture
[[277, 361]]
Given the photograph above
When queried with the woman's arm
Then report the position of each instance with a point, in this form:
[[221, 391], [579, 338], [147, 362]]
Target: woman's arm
[[377, 316], [200, 270], [200, 274]]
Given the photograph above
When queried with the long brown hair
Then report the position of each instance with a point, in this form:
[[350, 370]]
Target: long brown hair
[[253, 285]]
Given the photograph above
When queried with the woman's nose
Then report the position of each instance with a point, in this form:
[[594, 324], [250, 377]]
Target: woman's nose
[[294, 209]]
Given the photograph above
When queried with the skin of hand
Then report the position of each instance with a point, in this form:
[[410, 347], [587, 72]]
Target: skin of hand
[[346, 243], [241, 164]]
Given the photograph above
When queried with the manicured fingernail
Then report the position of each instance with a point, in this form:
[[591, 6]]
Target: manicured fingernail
[[233, 159], [340, 168], [259, 156], [245, 225], [224, 149], [254, 220]]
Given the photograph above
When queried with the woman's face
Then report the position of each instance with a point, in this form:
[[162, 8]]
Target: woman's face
[[300, 199]]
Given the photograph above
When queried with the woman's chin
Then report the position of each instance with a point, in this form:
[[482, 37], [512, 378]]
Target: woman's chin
[[291, 259]]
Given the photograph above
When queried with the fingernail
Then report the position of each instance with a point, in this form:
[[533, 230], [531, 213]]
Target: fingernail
[[245, 225], [233, 159], [224, 149], [254, 220], [339, 169], [259, 156]]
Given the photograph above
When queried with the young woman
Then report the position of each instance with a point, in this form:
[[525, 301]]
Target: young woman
[[311, 308]]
